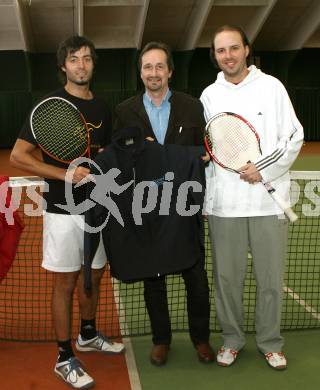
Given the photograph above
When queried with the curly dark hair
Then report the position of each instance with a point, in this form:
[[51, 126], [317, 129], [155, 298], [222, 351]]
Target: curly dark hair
[[69, 46]]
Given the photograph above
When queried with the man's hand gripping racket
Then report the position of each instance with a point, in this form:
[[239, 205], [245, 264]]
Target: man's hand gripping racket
[[233, 143]]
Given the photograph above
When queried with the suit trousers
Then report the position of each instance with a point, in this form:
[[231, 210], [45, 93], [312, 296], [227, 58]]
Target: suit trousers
[[198, 306]]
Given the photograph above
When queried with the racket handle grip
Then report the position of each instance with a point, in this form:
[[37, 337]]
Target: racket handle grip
[[292, 216]]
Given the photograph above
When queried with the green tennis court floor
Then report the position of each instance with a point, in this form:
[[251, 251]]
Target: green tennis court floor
[[250, 372], [184, 372], [307, 163]]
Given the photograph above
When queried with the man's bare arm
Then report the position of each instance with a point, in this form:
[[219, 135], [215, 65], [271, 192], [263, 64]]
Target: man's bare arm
[[23, 157]]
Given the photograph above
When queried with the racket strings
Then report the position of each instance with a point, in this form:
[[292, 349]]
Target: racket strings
[[232, 141], [59, 129]]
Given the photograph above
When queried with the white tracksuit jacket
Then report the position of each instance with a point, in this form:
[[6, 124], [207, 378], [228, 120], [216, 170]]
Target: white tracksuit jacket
[[263, 101]]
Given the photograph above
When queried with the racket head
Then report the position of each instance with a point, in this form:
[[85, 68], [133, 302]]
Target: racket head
[[231, 141], [60, 129]]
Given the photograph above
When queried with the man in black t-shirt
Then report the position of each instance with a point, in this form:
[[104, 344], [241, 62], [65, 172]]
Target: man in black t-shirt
[[63, 233]]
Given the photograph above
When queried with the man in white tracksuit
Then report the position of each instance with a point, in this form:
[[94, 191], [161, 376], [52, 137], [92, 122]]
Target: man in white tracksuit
[[242, 215]]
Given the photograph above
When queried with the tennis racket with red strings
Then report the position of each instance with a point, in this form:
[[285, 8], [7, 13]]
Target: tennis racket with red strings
[[232, 142]]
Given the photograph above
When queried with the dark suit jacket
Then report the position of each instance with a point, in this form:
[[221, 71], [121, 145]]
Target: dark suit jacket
[[186, 122]]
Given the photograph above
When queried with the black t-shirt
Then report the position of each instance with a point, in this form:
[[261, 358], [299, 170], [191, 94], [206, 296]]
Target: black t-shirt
[[98, 116]]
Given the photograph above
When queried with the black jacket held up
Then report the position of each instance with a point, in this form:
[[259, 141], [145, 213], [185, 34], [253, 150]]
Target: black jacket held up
[[142, 244]]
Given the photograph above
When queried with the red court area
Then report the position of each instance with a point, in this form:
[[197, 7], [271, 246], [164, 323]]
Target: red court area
[[25, 300], [29, 366], [25, 314]]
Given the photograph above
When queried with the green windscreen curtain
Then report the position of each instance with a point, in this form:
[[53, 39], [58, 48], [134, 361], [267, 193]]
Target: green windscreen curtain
[[33, 75], [306, 102], [14, 107]]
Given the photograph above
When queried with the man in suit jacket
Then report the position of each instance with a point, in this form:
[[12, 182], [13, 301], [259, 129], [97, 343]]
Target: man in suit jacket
[[169, 117]]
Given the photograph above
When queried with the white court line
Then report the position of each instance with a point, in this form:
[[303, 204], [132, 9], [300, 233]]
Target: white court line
[[299, 300], [302, 302], [131, 365], [25, 181], [129, 353]]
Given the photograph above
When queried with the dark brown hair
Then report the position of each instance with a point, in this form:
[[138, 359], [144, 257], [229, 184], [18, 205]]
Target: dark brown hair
[[160, 46], [70, 46], [228, 27]]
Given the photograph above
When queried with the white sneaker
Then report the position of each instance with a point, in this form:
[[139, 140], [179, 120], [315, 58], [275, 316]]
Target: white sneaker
[[226, 356], [100, 343], [73, 373], [276, 360]]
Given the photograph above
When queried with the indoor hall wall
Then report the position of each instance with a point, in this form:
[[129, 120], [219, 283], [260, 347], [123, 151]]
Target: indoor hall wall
[[26, 77]]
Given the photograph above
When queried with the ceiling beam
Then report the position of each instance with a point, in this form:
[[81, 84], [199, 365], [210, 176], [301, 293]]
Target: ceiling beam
[[303, 29], [253, 28], [113, 3], [48, 3], [78, 16], [141, 23], [251, 3], [195, 24], [24, 25]]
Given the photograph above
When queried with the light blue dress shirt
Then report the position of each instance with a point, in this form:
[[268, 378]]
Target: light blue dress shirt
[[158, 115]]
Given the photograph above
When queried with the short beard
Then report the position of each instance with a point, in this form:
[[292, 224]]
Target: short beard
[[157, 87], [82, 82]]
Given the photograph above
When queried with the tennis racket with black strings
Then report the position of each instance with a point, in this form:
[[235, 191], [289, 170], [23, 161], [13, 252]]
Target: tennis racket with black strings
[[232, 142], [60, 129]]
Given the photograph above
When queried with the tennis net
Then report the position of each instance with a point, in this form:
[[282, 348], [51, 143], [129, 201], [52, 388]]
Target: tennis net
[[25, 294]]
